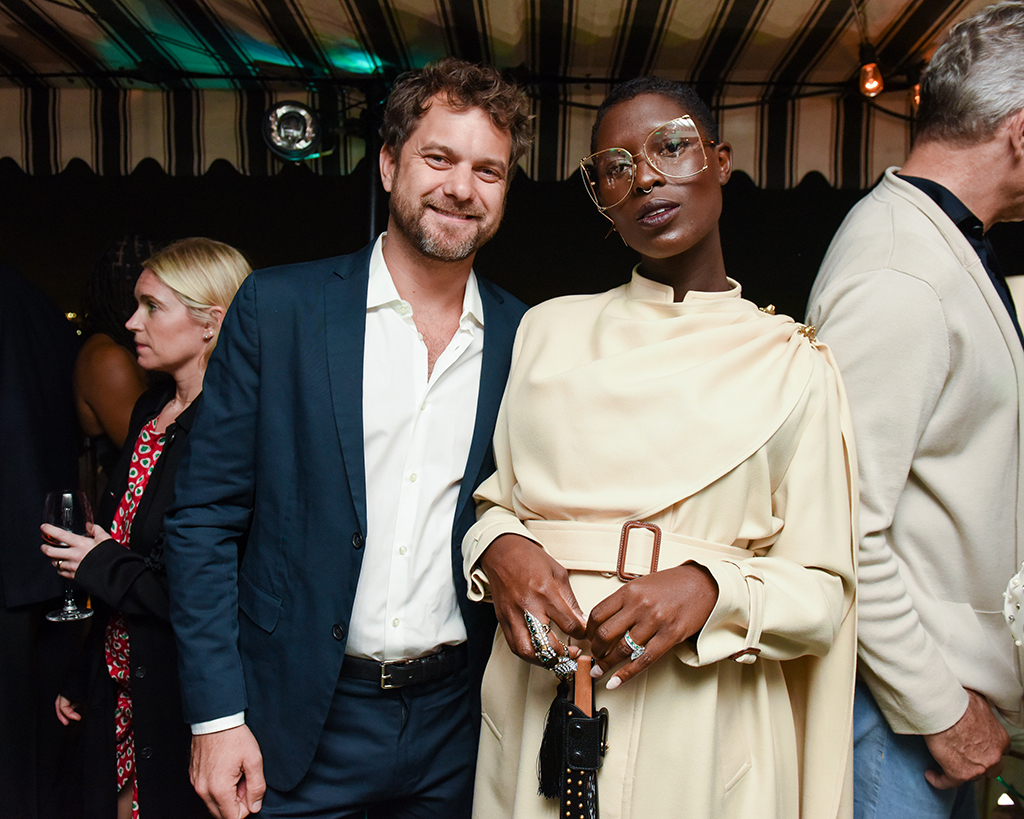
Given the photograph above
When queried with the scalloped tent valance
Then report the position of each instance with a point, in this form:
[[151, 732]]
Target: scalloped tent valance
[[185, 83], [112, 130]]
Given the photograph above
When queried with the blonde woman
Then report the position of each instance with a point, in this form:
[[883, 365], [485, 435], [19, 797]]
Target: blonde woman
[[126, 688]]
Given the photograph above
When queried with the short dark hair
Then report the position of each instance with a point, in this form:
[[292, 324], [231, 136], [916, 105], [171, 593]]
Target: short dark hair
[[676, 91], [975, 79], [462, 85]]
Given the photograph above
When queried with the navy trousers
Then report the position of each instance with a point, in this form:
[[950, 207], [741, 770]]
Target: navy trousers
[[407, 753]]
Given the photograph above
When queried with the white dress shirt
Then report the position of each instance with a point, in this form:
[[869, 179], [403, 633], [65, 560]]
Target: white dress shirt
[[416, 437]]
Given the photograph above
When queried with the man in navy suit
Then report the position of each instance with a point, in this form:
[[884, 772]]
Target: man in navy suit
[[330, 659]]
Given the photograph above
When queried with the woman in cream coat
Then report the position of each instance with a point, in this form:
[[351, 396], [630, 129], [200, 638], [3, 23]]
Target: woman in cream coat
[[673, 402]]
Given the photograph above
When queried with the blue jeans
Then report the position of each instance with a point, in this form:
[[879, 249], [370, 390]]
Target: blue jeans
[[888, 772]]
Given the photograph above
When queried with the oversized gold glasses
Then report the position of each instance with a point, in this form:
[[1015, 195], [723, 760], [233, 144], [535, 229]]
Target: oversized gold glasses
[[675, 150]]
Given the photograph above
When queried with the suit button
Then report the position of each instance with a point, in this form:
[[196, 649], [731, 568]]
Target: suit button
[[338, 631], [357, 540], [140, 672], [146, 752]]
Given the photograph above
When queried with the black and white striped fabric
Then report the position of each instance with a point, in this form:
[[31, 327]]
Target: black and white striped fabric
[[185, 82]]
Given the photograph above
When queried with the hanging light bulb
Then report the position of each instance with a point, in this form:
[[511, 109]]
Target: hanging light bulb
[[871, 83]]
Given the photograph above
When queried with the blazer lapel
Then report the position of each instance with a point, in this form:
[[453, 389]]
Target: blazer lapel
[[345, 311]]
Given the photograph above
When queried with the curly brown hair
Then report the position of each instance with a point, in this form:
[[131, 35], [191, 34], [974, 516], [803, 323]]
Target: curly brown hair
[[462, 85]]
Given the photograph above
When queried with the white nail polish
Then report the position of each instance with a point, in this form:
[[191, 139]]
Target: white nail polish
[[596, 671], [613, 683]]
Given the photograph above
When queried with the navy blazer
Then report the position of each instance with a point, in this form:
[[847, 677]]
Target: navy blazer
[[265, 538]]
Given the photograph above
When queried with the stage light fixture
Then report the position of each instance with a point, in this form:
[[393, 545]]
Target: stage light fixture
[[292, 131]]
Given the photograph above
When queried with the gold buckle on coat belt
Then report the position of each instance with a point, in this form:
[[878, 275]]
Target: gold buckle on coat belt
[[627, 527]]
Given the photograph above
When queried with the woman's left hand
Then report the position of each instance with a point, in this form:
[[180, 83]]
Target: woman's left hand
[[67, 559], [659, 611]]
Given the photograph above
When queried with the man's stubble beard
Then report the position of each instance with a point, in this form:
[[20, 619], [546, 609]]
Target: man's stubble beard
[[438, 243]]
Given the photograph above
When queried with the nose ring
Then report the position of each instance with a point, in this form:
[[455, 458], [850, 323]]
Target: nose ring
[[647, 190]]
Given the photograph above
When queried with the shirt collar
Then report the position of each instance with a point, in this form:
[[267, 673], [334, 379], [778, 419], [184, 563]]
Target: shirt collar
[[381, 290], [959, 214]]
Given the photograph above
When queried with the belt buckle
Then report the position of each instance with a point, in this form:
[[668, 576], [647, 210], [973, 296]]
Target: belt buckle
[[620, 568], [385, 675]]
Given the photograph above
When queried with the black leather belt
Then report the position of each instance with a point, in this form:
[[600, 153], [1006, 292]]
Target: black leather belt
[[446, 662]]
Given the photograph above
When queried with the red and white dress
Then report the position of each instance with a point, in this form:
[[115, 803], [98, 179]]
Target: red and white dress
[[148, 447]]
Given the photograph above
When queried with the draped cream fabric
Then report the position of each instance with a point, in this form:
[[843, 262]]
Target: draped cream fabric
[[725, 425]]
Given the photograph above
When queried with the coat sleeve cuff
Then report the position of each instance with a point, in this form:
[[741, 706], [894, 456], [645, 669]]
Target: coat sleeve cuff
[[733, 630], [482, 534]]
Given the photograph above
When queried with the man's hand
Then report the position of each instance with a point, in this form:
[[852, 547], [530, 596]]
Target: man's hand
[[971, 748], [227, 772], [523, 577]]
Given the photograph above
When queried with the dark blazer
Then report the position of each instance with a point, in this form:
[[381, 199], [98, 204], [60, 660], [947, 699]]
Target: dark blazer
[[265, 540], [133, 582]]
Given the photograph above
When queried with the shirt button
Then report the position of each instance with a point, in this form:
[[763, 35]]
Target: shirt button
[[357, 540], [146, 752], [338, 631], [402, 550], [395, 622], [412, 477], [140, 672]]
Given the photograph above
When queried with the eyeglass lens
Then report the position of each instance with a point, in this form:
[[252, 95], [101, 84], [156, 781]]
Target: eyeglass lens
[[674, 149]]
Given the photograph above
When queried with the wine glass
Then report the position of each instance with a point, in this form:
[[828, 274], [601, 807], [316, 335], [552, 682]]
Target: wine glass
[[67, 509]]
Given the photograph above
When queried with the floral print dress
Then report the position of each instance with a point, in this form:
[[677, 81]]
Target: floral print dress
[[148, 447]]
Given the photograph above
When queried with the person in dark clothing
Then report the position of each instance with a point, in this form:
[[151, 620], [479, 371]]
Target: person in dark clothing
[[125, 689], [38, 452]]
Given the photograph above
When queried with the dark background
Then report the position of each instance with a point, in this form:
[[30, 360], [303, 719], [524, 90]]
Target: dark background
[[553, 241]]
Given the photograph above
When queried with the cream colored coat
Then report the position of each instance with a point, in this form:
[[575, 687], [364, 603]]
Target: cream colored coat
[[728, 427], [941, 455]]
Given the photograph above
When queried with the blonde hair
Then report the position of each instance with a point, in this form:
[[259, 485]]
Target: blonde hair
[[203, 273]]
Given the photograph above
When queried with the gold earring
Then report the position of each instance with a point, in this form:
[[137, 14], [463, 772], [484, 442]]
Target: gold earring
[[612, 230]]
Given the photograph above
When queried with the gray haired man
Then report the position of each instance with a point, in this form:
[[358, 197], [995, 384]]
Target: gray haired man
[[911, 299]]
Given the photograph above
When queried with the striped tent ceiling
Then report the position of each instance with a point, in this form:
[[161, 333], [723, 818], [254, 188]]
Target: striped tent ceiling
[[112, 82]]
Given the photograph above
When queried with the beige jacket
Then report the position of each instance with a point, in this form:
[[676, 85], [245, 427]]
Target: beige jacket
[[935, 374], [727, 428]]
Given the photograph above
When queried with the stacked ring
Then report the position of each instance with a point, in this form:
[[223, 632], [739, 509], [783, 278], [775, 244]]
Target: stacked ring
[[634, 646], [562, 664]]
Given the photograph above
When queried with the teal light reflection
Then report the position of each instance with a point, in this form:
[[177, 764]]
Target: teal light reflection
[[192, 56], [354, 60]]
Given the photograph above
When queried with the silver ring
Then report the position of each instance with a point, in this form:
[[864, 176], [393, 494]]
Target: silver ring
[[634, 646], [645, 190]]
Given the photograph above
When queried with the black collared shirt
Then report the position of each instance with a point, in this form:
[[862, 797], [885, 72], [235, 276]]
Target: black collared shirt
[[974, 231]]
